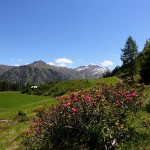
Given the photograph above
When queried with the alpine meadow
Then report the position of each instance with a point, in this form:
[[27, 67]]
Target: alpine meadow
[[74, 75]]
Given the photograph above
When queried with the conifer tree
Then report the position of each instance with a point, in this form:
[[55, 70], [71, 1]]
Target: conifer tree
[[129, 55]]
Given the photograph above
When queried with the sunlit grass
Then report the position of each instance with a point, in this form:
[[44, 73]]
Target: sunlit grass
[[12, 102]]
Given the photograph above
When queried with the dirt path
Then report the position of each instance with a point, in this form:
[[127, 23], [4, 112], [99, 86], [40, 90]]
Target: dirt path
[[5, 121]]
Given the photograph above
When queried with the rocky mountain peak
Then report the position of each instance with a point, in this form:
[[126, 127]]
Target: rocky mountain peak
[[38, 62]]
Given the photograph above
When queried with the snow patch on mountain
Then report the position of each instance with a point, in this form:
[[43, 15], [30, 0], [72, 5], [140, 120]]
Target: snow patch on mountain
[[82, 68]]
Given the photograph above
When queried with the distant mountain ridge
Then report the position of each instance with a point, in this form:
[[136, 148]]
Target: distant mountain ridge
[[4, 68], [92, 71], [41, 72]]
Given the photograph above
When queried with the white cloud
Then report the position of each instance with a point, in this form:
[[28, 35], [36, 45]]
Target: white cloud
[[61, 65], [20, 59], [17, 65], [107, 63], [92, 64], [63, 61], [51, 63]]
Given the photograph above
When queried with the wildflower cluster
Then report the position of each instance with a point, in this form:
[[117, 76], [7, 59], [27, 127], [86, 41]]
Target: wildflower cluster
[[93, 119]]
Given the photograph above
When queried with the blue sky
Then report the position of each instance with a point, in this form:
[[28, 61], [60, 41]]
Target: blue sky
[[71, 32]]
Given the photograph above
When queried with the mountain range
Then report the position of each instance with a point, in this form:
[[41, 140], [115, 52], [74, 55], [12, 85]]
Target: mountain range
[[41, 72]]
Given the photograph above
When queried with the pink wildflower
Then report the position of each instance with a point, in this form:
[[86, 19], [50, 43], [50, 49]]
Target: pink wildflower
[[65, 105], [87, 97], [133, 94], [68, 97], [35, 124], [116, 94], [74, 110]]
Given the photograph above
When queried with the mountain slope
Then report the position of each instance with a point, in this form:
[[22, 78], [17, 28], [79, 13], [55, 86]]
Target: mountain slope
[[28, 74], [92, 71], [4, 68], [40, 72]]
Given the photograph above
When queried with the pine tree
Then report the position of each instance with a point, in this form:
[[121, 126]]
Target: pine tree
[[129, 55]]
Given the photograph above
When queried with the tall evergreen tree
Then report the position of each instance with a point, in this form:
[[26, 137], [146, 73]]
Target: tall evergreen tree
[[129, 55], [145, 64], [147, 42]]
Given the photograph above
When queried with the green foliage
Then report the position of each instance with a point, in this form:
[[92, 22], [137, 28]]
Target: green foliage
[[129, 55], [22, 113], [11, 86], [21, 116], [63, 87], [145, 65], [115, 71], [91, 119]]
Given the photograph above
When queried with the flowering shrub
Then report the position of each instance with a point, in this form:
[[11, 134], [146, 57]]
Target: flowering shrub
[[94, 119]]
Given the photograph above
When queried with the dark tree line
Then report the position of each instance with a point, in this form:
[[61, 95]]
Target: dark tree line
[[145, 63], [11, 86]]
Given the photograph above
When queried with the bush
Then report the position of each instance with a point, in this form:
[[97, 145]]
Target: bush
[[21, 116], [94, 119], [21, 113]]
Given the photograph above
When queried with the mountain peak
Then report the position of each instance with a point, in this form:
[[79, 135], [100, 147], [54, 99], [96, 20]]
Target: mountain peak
[[38, 62], [92, 71]]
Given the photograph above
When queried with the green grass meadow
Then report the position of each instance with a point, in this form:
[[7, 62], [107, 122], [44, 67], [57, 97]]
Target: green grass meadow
[[10, 104]]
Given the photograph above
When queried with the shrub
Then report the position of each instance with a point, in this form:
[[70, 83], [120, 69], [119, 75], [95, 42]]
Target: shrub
[[94, 119], [21, 113], [21, 116]]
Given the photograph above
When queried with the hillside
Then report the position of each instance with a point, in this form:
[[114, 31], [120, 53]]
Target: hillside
[[29, 74], [91, 71], [4, 68]]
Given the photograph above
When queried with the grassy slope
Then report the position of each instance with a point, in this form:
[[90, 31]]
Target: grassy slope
[[10, 103], [141, 123], [9, 137], [110, 80]]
